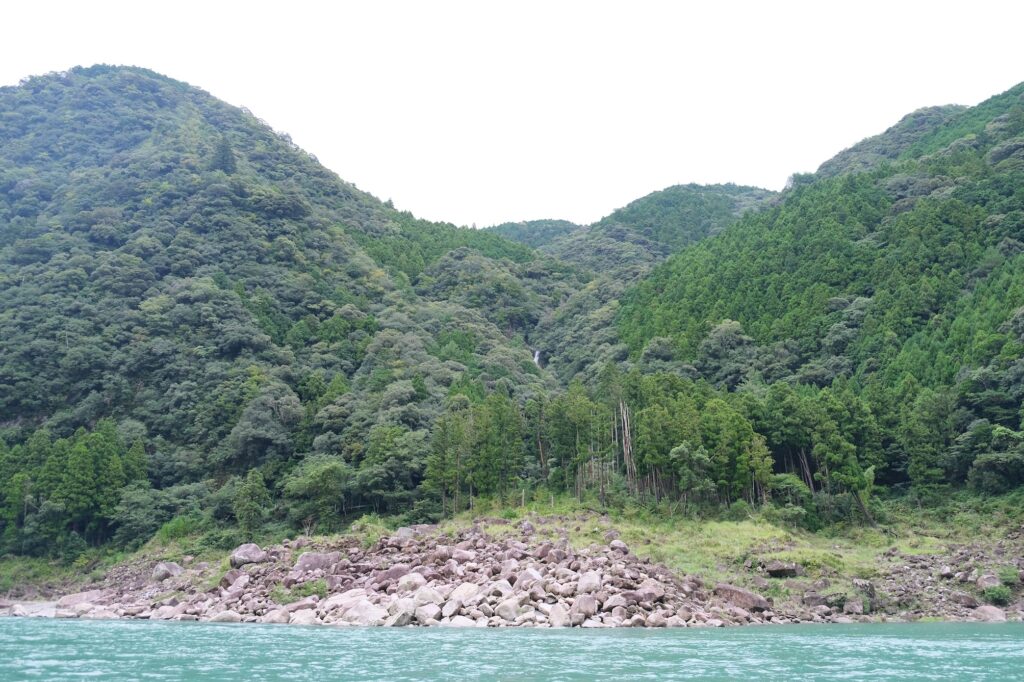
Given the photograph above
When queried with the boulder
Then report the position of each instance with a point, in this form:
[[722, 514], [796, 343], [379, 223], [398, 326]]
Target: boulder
[[619, 546], [463, 555], [508, 609], [105, 614], [742, 597], [313, 561], [986, 581], [783, 569], [585, 604], [427, 595], [69, 600], [410, 582], [964, 599], [559, 616], [527, 578], [166, 569], [229, 578], [464, 592], [656, 621], [461, 622], [226, 617], [19, 611], [590, 582], [651, 590], [451, 608], [279, 616], [428, 612], [613, 601], [395, 572], [403, 605], [364, 613], [854, 607], [249, 553], [946, 572], [304, 617], [399, 619], [992, 614]]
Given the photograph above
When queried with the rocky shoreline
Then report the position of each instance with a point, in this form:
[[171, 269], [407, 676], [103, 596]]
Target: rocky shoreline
[[419, 577]]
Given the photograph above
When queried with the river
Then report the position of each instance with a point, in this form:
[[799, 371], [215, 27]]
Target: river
[[46, 649]]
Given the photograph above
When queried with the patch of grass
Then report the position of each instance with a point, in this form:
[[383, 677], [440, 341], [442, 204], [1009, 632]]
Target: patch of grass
[[1008, 575], [369, 529], [999, 595], [282, 595]]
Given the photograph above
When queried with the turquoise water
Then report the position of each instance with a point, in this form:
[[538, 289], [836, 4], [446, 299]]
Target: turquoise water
[[43, 649]]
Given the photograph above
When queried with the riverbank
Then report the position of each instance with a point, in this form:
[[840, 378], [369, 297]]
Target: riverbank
[[574, 569]]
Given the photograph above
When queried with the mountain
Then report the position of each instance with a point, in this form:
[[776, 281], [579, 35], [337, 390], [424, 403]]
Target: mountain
[[171, 263], [579, 337], [535, 233], [208, 335], [902, 279]]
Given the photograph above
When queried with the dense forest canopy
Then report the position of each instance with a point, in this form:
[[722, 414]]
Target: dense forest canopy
[[203, 327]]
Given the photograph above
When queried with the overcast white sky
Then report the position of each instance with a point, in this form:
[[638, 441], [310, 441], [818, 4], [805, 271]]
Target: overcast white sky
[[482, 112]]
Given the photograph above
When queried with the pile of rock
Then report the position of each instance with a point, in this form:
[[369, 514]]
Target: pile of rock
[[418, 577]]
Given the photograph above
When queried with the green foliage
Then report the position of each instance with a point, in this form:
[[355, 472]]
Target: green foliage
[[1000, 595], [251, 502], [283, 595], [179, 527], [205, 331]]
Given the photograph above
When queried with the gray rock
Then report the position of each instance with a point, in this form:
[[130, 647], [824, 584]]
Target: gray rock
[[656, 621], [399, 619], [304, 617], [100, 614], [783, 569], [585, 604], [395, 572], [278, 616], [854, 607], [313, 561], [947, 572], [619, 546], [451, 608], [428, 612], [70, 600], [410, 582], [742, 597], [992, 614], [427, 595], [464, 592], [508, 609], [364, 613], [226, 617], [613, 601], [651, 590], [964, 599], [590, 582], [462, 622], [463, 556], [249, 553], [166, 569], [229, 578], [986, 581], [559, 616]]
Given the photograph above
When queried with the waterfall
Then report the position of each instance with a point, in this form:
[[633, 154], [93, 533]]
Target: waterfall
[[536, 357]]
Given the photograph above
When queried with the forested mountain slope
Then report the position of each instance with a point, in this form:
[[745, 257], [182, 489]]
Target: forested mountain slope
[[578, 337], [207, 332], [904, 282], [169, 262]]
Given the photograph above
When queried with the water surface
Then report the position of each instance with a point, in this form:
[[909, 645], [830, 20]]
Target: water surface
[[45, 649]]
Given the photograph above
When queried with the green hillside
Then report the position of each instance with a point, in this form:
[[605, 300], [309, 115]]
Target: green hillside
[[207, 334]]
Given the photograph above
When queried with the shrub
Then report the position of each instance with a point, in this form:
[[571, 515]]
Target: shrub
[[999, 595], [179, 527]]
